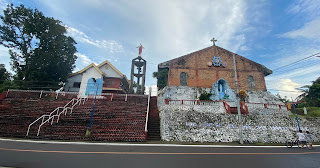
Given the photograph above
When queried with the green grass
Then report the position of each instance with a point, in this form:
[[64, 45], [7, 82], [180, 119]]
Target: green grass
[[311, 112]]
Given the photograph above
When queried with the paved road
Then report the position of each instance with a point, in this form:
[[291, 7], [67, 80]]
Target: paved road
[[33, 155]]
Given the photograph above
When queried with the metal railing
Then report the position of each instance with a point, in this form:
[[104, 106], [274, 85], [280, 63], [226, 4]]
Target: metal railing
[[147, 116], [194, 102], [57, 112]]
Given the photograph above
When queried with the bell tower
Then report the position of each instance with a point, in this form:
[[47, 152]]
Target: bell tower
[[138, 72]]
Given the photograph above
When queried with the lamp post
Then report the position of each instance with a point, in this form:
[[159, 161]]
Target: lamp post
[[88, 132]]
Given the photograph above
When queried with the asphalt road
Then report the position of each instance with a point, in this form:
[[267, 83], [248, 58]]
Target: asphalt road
[[33, 155]]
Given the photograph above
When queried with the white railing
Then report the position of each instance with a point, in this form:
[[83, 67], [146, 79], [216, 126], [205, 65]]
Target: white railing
[[56, 113], [195, 102], [147, 117]]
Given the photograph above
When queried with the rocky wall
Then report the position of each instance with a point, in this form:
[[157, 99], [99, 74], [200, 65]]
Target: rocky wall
[[189, 125], [180, 93]]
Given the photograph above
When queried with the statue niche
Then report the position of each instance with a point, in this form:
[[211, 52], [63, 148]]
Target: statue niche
[[222, 91]]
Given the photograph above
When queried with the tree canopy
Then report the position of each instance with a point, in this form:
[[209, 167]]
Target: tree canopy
[[311, 95], [162, 78], [40, 52], [5, 78]]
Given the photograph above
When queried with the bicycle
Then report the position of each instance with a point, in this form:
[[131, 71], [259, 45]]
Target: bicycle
[[290, 143]]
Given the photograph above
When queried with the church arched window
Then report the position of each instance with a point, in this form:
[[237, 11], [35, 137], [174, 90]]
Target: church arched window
[[183, 79], [251, 82]]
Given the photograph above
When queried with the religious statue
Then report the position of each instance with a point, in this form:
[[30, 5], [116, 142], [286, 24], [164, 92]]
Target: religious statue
[[140, 49]]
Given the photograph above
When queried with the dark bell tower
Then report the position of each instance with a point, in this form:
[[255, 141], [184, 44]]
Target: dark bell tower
[[139, 64]]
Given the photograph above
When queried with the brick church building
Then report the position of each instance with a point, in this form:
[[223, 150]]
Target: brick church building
[[207, 66]]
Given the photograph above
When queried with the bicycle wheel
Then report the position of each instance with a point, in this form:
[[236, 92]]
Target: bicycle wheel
[[299, 144], [289, 144]]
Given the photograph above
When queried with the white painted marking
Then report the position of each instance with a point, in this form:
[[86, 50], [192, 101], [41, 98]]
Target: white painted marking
[[134, 144]]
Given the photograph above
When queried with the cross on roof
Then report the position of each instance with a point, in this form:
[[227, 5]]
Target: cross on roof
[[213, 41]]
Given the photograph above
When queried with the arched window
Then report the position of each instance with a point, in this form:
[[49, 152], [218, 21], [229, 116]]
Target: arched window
[[251, 82], [183, 79]]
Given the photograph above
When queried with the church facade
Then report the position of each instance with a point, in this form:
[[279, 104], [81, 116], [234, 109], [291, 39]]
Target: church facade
[[212, 65]]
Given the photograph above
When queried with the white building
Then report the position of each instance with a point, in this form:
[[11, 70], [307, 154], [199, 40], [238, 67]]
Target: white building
[[113, 80]]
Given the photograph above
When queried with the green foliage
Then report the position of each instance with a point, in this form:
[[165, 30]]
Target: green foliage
[[311, 112], [4, 74], [205, 96], [283, 99], [311, 95], [38, 47], [5, 79], [162, 78]]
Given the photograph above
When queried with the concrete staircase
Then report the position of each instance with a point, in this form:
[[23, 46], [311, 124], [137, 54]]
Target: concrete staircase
[[154, 121], [116, 120]]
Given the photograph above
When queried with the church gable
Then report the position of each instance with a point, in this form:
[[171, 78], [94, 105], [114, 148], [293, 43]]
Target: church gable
[[204, 67]]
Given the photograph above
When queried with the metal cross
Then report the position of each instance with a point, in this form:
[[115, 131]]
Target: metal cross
[[213, 41]]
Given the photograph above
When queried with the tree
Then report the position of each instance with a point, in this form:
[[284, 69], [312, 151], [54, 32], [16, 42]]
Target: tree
[[311, 94], [5, 79], [283, 99], [4, 74], [38, 47], [162, 78]]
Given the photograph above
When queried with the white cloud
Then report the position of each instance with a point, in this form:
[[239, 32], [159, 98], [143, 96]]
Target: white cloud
[[5, 58], [175, 28], [154, 90], [310, 31], [82, 61], [3, 5], [111, 45], [308, 8], [285, 87]]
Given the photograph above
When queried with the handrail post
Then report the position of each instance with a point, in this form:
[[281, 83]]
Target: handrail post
[[39, 129], [147, 115]]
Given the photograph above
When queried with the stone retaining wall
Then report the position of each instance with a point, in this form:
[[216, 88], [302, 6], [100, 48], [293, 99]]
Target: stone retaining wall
[[189, 125]]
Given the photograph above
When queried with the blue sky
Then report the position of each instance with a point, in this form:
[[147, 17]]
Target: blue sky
[[272, 33]]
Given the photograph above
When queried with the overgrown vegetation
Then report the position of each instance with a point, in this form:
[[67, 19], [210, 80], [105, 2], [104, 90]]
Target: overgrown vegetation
[[205, 96], [5, 79], [283, 99], [40, 52], [311, 95], [162, 78]]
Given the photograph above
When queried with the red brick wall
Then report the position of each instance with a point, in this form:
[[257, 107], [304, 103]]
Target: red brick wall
[[116, 82], [201, 75]]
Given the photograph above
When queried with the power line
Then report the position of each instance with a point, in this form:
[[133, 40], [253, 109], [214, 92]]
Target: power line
[[296, 61]]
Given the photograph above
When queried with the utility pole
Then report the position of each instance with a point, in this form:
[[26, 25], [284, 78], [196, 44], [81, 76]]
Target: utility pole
[[295, 112], [237, 99]]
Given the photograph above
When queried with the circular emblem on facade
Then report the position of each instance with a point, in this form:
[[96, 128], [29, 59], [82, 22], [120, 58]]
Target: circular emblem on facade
[[216, 61], [224, 64], [209, 63]]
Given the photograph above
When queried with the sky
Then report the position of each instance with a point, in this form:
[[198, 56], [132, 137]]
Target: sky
[[273, 33]]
